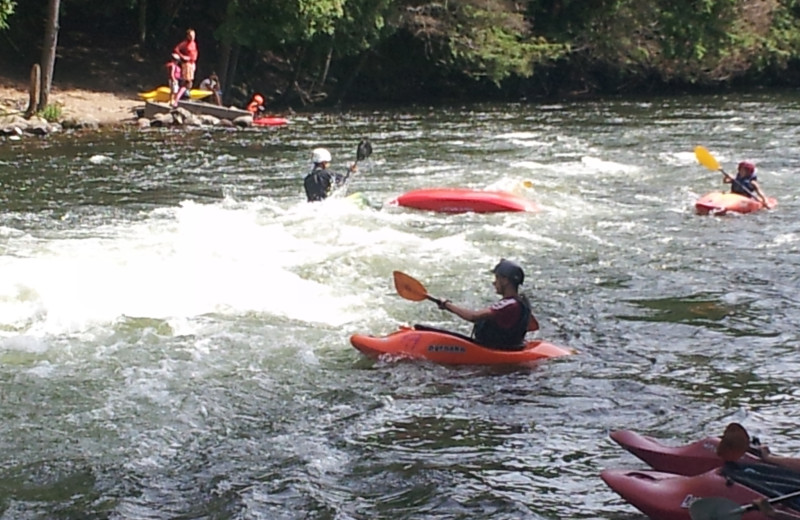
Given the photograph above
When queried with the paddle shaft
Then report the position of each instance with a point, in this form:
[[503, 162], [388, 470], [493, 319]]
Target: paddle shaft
[[736, 181], [437, 301], [774, 500]]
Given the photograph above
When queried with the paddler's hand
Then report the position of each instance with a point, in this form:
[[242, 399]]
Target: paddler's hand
[[765, 508], [763, 452], [443, 304], [353, 168]]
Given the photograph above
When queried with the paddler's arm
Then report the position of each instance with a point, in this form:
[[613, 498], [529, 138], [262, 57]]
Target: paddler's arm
[[761, 194], [533, 324], [766, 455], [464, 313]]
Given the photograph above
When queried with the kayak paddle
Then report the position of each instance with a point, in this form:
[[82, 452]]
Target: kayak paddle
[[708, 160], [411, 288], [363, 150], [719, 508], [734, 443]]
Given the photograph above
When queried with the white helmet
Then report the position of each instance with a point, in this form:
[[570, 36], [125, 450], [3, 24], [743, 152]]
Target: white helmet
[[320, 155]]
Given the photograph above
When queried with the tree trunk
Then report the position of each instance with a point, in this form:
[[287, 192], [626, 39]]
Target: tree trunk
[[224, 64], [349, 81], [233, 64], [49, 50], [142, 22], [34, 90]]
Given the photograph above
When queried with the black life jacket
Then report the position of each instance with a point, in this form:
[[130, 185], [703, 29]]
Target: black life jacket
[[318, 183], [744, 185], [489, 334]]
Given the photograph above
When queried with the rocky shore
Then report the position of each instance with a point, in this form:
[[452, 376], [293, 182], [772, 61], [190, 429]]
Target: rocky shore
[[82, 109]]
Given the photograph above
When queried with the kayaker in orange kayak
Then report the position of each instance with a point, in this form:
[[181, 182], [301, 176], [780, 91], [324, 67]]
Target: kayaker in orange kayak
[[746, 183], [503, 324]]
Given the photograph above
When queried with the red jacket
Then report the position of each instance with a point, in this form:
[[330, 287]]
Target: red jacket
[[187, 50]]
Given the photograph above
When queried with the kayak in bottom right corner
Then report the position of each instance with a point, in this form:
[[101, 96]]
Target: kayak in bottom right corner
[[720, 203], [667, 496]]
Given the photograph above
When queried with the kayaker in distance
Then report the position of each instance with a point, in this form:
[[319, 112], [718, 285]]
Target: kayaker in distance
[[256, 105], [503, 324], [319, 183], [746, 183]]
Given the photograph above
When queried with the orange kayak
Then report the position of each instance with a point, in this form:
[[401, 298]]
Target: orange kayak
[[719, 203], [449, 348], [460, 200]]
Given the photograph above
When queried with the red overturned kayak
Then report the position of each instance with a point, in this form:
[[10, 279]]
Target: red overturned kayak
[[666, 496], [689, 459], [270, 121], [462, 200], [719, 203], [449, 348]]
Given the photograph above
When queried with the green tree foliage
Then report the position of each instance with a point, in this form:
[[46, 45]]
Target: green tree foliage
[[322, 44], [482, 38], [6, 10]]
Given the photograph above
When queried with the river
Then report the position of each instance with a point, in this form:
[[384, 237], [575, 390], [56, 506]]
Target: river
[[175, 318]]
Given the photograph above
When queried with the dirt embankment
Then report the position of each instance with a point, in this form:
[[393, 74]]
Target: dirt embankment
[[88, 83]]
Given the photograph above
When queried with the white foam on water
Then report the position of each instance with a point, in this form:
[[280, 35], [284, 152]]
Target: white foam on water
[[291, 263]]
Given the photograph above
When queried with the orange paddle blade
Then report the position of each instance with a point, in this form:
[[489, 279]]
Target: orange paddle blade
[[734, 443], [408, 287]]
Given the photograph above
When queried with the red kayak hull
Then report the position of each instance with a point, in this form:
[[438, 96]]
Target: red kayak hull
[[460, 200], [270, 121], [449, 349], [718, 203], [690, 459], [666, 496]]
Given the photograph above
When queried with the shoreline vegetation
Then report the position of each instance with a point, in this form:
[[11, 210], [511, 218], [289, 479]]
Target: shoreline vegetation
[[334, 55]]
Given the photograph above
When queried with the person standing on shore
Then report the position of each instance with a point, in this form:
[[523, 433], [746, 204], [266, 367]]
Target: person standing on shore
[[187, 50], [174, 79]]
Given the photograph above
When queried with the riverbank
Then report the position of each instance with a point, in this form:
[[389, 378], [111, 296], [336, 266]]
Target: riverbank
[[107, 108]]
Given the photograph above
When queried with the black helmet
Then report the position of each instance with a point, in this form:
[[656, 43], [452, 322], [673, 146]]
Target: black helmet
[[510, 270]]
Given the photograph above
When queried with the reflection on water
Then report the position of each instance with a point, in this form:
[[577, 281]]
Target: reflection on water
[[174, 317], [694, 310]]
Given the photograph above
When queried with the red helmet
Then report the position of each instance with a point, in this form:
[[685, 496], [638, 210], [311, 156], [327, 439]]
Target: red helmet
[[258, 98], [748, 167]]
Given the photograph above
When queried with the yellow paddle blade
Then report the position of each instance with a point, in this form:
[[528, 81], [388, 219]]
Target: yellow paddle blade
[[705, 158], [408, 287], [734, 443]]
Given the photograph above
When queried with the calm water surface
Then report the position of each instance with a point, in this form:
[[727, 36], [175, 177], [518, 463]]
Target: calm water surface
[[174, 317]]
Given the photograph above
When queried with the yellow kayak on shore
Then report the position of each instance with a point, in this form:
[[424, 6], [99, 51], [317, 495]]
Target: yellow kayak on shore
[[161, 94]]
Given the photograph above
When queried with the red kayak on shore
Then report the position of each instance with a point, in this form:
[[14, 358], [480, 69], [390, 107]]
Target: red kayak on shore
[[689, 459], [270, 121], [449, 348], [719, 203], [461, 200]]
